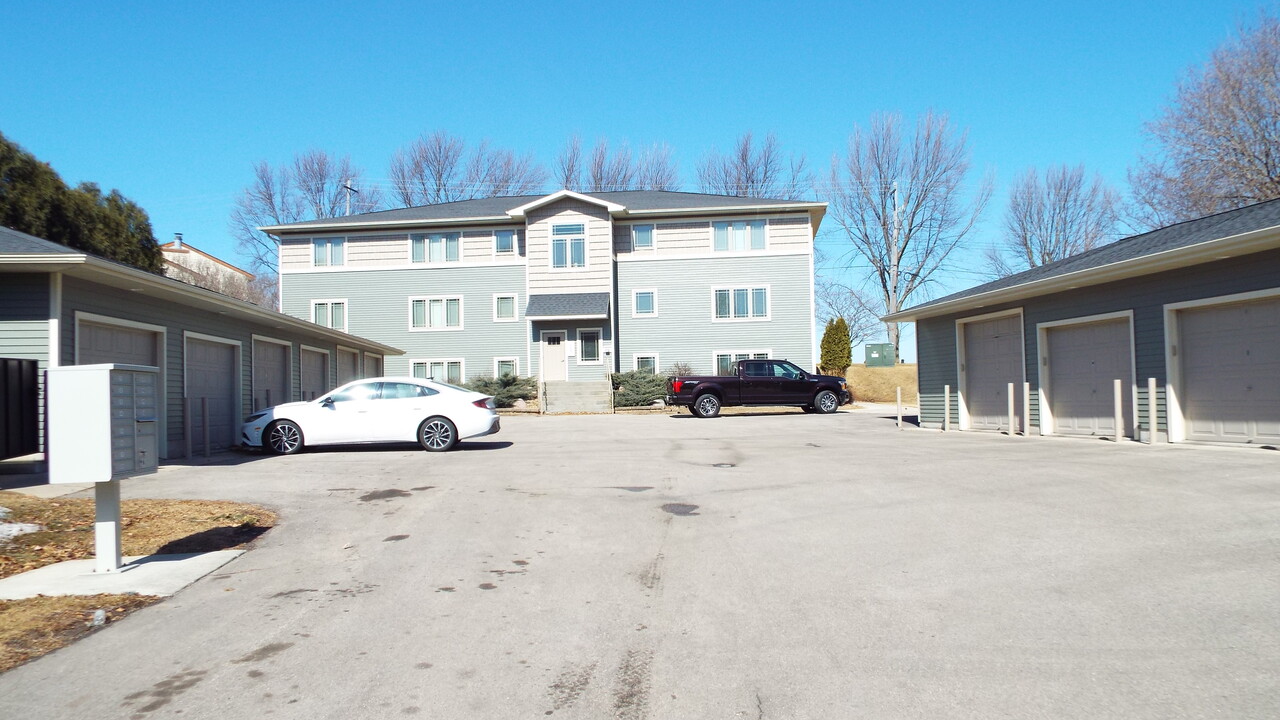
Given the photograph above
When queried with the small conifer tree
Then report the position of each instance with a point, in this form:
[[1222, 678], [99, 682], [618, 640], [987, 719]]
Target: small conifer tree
[[836, 350]]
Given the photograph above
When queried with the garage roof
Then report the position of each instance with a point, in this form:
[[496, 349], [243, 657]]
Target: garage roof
[[20, 252], [1236, 232]]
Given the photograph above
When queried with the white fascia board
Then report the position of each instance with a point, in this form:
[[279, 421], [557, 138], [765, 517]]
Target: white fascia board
[[519, 212], [379, 224], [599, 316], [43, 259], [1220, 249], [816, 211]]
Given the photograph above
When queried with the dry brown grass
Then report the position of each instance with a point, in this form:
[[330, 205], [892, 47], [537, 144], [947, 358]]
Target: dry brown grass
[[35, 626], [148, 527], [879, 384]]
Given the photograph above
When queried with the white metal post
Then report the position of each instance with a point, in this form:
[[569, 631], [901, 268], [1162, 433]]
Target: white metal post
[[1151, 411], [1012, 427], [106, 525], [946, 408], [899, 407], [1119, 409], [1026, 413]]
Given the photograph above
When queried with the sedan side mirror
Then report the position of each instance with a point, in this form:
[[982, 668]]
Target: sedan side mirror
[[327, 402]]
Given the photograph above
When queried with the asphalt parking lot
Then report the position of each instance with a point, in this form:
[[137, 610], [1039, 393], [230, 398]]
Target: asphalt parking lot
[[764, 566]]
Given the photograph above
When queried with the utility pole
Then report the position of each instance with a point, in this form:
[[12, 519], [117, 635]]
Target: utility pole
[[347, 186], [894, 256]]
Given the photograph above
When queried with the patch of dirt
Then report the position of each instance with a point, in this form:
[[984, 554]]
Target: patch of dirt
[[880, 384], [36, 626], [148, 527]]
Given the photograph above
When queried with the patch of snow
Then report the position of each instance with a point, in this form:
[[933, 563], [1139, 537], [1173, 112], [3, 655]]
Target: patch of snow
[[9, 531]]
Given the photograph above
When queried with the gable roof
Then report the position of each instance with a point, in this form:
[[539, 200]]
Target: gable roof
[[13, 242], [175, 248], [1235, 232], [623, 203]]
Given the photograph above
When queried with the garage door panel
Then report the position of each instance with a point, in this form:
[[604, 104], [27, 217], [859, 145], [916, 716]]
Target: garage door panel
[[1230, 363], [270, 374], [211, 388], [315, 374], [993, 359], [1085, 360], [97, 343]]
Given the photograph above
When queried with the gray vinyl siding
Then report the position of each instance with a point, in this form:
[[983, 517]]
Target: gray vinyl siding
[[378, 308], [575, 369], [1145, 296], [685, 330], [84, 296], [24, 326]]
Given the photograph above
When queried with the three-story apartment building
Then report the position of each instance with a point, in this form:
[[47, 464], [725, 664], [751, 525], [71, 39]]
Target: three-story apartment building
[[563, 287]]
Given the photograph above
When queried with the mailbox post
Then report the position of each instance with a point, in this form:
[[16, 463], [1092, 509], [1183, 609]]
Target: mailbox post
[[102, 426]]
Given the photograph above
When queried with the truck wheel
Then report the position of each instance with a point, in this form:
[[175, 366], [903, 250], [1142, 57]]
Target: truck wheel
[[706, 406], [807, 408], [826, 402]]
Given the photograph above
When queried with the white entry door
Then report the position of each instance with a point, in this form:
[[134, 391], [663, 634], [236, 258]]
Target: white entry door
[[554, 363]]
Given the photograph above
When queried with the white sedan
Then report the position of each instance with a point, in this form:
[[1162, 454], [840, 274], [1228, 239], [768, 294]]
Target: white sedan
[[375, 410]]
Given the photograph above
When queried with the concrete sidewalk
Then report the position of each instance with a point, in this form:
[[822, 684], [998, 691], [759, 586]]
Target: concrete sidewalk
[[161, 575]]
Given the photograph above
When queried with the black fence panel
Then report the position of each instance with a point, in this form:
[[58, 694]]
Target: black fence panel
[[19, 407]]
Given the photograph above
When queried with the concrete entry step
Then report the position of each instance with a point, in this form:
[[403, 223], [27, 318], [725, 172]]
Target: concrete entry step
[[577, 397]]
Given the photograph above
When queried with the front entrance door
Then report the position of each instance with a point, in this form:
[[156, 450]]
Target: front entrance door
[[554, 367]]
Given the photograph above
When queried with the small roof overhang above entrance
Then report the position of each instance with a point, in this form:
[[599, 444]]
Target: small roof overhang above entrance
[[568, 306]]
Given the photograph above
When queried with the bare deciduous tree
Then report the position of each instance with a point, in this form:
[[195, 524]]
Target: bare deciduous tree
[[755, 171], [658, 170], [903, 204], [436, 168], [617, 170], [835, 299], [1218, 142], [569, 165], [609, 171], [1047, 221]]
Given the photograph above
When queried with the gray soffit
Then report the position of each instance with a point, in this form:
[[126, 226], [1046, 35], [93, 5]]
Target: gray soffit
[[567, 306], [495, 210], [1187, 243]]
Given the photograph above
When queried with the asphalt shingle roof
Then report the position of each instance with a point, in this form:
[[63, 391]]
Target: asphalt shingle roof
[[1185, 234], [568, 304], [498, 206], [13, 242]]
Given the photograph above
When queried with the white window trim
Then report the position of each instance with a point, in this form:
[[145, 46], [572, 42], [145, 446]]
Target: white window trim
[[427, 299], [568, 248], [328, 251], [599, 346], [462, 367], [512, 358], [515, 244], [711, 225], [653, 314], [346, 312], [767, 352], [768, 298], [653, 246], [515, 305], [426, 250], [635, 361]]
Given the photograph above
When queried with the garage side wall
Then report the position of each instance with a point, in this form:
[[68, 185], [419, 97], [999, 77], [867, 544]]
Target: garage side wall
[[24, 324], [1145, 296]]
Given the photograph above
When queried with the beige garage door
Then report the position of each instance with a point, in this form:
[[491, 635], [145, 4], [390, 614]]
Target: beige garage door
[[211, 387], [1084, 363], [270, 374], [98, 343], [315, 374], [1231, 372], [348, 366], [992, 360]]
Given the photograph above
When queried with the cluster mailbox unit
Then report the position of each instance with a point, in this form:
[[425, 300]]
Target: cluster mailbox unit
[[103, 426]]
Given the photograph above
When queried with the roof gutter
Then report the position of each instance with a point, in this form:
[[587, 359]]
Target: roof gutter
[[1220, 249]]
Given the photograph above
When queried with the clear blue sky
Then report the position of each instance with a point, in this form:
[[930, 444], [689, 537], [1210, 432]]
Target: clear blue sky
[[172, 103]]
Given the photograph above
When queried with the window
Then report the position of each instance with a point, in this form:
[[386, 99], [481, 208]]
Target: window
[[739, 235], [504, 308], [725, 360], [359, 391], [449, 371], [405, 391], [647, 363], [504, 242], [327, 251], [742, 303], [330, 313], [641, 237], [589, 346], [435, 313], [568, 251], [435, 248], [643, 303], [506, 366]]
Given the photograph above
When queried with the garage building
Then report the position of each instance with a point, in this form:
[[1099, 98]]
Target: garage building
[[219, 358], [1196, 306]]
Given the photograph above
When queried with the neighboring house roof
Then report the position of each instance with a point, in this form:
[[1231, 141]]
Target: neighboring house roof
[[177, 250], [1236, 232], [20, 252], [627, 203], [568, 305]]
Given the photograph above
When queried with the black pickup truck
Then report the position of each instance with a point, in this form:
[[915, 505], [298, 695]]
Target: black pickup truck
[[759, 382]]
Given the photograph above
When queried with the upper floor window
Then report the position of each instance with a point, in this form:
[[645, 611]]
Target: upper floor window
[[436, 248], [504, 242], [435, 313], [330, 313], [644, 303], [641, 237], [327, 251], [739, 235], [742, 303], [568, 246]]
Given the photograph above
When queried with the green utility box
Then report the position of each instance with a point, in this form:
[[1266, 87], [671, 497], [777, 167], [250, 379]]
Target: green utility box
[[880, 355]]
